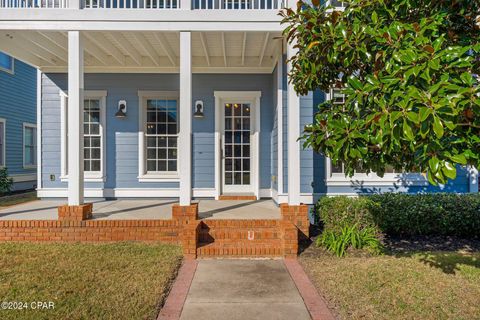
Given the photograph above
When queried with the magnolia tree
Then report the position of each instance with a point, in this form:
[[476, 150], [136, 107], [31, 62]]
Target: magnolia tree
[[408, 69]]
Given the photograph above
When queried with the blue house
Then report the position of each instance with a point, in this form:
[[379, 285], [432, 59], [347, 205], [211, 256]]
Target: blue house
[[173, 99], [18, 124]]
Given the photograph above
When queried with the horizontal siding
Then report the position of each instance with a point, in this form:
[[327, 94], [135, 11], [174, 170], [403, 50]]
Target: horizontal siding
[[122, 134], [18, 104]]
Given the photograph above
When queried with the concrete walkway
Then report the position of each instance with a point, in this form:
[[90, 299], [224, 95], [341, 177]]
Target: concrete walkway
[[243, 289]]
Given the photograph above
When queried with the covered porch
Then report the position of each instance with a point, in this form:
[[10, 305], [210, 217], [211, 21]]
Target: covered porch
[[147, 209], [97, 65]]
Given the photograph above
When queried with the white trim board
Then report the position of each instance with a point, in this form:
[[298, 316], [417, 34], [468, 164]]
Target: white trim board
[[31, 126], [4, 148], [143, 176], [39, 128], [136, 193], [254, 98], [88, 94]]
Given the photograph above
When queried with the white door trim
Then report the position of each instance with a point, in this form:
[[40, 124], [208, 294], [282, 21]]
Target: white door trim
[[253, 96]]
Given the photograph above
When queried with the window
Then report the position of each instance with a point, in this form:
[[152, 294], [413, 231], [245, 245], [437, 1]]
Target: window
[[2, 142], [336, 173], [158, 135], [337, 4], [29, 145], [93, 135], [6, 62], [337, 96], [161, 133]]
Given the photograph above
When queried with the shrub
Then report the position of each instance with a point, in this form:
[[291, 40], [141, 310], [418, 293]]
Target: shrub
[[337, 212], [444, 214], [340, 241], [5, 181]]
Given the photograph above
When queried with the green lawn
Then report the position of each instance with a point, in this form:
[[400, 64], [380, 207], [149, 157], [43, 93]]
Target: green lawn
[[87, 281], [435, 285], [17, 199]]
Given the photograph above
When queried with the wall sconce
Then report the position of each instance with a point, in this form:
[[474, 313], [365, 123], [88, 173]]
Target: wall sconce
[[122, 109], [198, 109]]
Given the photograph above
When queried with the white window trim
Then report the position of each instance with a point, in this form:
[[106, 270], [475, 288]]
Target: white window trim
[[253, 97], [9, 71], [4, 149], [34, 126], [372, 179], [143, 176], [89, 176]]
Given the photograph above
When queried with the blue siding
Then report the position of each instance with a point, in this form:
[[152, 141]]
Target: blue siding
[[122, 134], [204, 86], [18, 102]]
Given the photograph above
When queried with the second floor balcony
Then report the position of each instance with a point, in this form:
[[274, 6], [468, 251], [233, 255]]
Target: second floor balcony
[[145, 4]]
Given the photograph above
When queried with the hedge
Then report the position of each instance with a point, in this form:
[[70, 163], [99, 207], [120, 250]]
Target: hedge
[[404, 214]]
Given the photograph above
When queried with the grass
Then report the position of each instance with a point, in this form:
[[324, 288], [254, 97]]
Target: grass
[[87, 281], [8, 201], [430, 285]]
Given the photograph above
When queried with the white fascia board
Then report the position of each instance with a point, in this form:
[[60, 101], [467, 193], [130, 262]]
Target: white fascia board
[[173, 26], [124, 69], [141, 20]]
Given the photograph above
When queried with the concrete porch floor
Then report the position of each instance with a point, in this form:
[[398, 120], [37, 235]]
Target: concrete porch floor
[[146, 209]]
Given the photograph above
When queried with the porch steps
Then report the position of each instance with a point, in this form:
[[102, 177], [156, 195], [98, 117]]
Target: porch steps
[[240, 238]]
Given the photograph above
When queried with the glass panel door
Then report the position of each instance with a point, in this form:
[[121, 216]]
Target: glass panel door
[[237, 147]]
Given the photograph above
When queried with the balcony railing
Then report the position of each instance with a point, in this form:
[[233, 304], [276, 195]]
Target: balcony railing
[[47, 4], [238, 4], [147, 4], [132, 4]]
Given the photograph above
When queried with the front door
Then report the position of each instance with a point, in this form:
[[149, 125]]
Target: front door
[[237, 146]]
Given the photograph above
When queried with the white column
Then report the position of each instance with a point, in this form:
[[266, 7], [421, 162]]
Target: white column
[[473, 187], [39, 129], [293, 135], [75, 119], [280, 124], [185, 133]]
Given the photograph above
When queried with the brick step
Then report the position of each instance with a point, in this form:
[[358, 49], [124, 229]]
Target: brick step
[[272, 249], [239, 235]]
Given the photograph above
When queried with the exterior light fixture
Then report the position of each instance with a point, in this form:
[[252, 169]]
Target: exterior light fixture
[[122, 109], [198, 109]]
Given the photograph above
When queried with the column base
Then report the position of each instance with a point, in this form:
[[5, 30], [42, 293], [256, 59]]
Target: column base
[[298, 215], [75, 213], [185, 214]]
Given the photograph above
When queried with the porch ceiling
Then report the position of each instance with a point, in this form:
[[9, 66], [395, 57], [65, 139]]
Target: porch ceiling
[[139, 51]]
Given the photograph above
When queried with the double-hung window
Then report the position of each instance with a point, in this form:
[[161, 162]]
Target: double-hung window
[[94, 124], [6, 62], [336, 173], [29, 145], [158, 135], [92, 136]]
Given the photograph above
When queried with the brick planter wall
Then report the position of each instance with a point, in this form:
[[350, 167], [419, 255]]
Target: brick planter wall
[[298, 215], [90, 230], [210, 237]]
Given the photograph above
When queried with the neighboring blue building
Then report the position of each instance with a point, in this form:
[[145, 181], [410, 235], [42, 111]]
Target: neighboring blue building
[[18, 124]]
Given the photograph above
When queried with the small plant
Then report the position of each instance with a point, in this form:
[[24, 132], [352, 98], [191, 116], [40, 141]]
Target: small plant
[[351, 236], [5, 181]]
